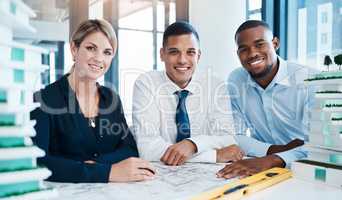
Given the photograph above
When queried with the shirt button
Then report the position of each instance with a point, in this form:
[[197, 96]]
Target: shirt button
[[95, 155]]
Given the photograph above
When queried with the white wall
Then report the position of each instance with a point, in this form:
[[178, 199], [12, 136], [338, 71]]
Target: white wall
[[216, 22], [5, 34]]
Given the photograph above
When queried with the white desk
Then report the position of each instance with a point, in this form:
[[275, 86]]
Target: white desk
[[294, 189], [186, 181]]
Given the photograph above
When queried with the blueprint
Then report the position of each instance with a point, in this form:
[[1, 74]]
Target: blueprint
[[171, 182]]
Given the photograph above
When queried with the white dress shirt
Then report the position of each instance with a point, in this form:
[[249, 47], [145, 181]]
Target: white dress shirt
[[154, 111]]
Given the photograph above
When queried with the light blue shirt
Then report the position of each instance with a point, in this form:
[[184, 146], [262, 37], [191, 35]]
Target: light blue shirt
[[274, 115]]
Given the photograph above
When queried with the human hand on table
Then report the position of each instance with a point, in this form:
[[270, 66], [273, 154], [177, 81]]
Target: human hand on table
[[247, 167], [131, 169], [229, 153], [178, 153]]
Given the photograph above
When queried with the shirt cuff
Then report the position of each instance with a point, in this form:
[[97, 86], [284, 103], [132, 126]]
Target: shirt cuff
[[200, 145], [292, 155], [252, 146], [206, 156]]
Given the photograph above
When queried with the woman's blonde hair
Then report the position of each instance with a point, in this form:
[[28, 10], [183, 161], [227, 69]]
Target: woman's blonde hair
[[91, 26]]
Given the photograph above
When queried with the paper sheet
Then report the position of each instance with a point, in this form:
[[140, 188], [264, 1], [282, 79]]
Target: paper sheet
[[171, 182]]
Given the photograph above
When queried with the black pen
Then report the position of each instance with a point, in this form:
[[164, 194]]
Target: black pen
[[148, 169]]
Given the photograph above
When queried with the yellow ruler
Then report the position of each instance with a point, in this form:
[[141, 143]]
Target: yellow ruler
[[239, 188]]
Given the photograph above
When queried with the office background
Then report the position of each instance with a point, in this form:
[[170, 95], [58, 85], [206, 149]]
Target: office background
[[308, 30]]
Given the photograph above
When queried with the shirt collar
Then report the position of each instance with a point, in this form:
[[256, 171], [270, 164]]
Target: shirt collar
[[192, 87], [281, 77]]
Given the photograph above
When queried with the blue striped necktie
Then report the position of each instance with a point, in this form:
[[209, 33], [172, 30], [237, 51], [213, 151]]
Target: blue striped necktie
[[182, 118]]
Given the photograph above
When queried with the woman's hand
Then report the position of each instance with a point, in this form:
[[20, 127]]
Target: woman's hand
[[131, 169]]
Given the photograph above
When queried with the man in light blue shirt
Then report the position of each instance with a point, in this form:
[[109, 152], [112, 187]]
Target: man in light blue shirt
[[269, 101]]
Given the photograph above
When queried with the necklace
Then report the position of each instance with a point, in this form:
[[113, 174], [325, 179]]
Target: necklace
[[92, 109], [92, 122]]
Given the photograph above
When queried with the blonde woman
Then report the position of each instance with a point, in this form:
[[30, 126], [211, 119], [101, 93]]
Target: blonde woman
[[80, 124]]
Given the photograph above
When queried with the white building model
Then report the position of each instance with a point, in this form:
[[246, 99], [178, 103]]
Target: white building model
[[324, 162], [20, 67]]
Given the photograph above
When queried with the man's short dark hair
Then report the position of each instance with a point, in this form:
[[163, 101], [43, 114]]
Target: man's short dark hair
[[179, 28], [251, 24]]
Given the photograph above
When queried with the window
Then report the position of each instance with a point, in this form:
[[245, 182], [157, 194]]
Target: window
[[17, 54], [45, 75], [324, 17], [141, 27], [315, 31], [22, 97], [7, 119], [52, 75], [13, 8], [18, 76], [254, 9], [68, 61], [324, 38], [3, 96], [45, 59]]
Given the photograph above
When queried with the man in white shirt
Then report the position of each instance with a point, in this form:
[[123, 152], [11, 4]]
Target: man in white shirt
[[181, 115]]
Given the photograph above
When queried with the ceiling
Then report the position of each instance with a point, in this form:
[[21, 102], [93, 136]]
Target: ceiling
[[57, 10], [53, 15]]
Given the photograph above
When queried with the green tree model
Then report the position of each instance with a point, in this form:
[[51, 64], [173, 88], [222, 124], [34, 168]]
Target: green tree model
[[327, 61], [338, 60]]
